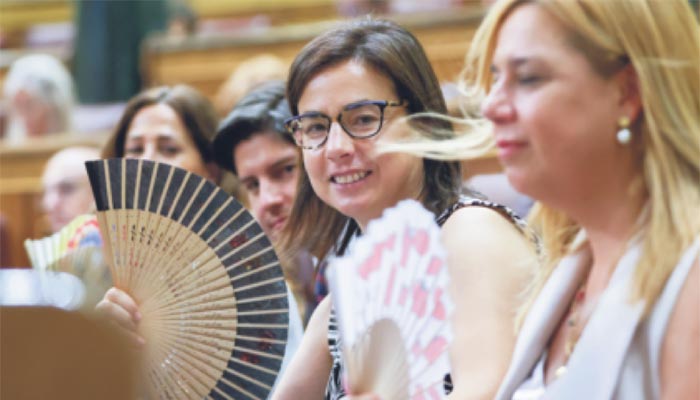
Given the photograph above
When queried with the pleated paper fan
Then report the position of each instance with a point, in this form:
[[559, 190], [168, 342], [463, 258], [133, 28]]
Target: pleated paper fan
[[76, 249], [210, 289], [390, 295], [54, 252]]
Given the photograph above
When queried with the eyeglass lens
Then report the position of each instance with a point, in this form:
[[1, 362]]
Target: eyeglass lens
[[360, 120]]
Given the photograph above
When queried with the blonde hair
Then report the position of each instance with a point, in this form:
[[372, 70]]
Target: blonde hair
[[660, 40]]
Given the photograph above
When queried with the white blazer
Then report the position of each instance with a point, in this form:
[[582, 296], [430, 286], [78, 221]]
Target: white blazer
[[617, 354]]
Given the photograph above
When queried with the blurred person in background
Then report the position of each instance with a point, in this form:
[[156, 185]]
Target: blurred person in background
[[249, 73], [173, 125], [39, 95], [66, 188], [355, 8]]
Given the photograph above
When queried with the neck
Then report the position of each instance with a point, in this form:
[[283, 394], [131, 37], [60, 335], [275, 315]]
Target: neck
[[609, 226], [364, 220]]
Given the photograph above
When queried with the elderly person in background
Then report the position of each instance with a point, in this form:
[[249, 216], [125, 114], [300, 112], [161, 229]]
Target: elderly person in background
[[39, 95]]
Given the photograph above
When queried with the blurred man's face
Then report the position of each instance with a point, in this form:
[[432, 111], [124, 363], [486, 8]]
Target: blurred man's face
[[67, 192], [268, 168]]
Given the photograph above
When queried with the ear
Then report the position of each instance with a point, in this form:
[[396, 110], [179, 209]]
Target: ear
[[630, 95]]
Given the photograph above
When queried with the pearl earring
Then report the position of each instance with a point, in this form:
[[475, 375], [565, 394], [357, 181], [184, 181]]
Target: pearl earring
[[624, 136]]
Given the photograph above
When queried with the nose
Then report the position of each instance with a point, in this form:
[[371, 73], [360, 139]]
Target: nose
[[497, 106], [270, 196], [339, 143], [149, 153]]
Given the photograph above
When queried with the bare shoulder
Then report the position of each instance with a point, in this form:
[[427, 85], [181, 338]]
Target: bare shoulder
[[477, 221], [680, 352], [490, 262], [475, 236]]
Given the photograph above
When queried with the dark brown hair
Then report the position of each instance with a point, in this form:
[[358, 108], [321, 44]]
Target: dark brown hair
[[195, 111], [262, 110], [395, 52]]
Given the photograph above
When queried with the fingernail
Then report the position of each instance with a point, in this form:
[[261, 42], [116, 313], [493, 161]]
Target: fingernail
[[137, 316]]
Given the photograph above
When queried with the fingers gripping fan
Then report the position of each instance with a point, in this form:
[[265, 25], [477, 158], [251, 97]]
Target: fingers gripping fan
[[209, 286], [390, 296]]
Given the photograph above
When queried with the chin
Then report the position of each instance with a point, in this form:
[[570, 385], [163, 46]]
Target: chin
[[516, 177], [273, 235]]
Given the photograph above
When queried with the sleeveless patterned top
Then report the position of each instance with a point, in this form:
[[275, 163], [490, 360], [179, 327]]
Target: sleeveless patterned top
[[334, 388]]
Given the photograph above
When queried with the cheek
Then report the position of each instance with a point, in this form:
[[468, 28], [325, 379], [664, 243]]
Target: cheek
[[313, 166], [193, 162], [255, 206], [402, 166], [290, 187]]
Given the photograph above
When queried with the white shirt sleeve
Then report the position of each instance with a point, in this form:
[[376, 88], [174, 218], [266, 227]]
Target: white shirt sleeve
[[294, 335]]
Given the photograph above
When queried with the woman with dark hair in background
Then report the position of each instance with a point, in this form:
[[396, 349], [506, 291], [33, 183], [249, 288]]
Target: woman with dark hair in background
[[173, 125]]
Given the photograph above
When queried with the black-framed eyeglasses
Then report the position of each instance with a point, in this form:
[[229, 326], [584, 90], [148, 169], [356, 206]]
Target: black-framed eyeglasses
[[360, 120]]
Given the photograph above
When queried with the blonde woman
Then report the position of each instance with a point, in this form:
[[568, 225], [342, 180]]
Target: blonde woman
[[596, 114]]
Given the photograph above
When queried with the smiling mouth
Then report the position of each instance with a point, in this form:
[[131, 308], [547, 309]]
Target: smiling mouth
[[350, 178]]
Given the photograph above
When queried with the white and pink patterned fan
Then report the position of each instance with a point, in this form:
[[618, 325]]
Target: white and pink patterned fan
[[390, 295]]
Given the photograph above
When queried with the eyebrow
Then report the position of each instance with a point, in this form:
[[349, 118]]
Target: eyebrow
[[343, 107], [515, 62], [247, 179], [285, 160], [160, 137]]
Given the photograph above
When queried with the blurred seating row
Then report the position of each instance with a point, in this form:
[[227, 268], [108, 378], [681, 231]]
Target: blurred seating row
[[203, 60], [206, 60]]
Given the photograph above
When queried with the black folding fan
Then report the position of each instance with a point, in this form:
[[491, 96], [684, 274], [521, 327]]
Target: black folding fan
[[208, 283]]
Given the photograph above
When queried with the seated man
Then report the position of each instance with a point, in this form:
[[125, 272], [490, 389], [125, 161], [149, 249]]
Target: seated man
[[252, 143], [67, 192]]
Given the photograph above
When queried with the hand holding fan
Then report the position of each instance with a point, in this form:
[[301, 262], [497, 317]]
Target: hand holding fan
[[390, 295], [209, 287]]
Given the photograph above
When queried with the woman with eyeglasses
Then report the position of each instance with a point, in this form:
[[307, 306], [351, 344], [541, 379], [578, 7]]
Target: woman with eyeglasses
[[349, 90]]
